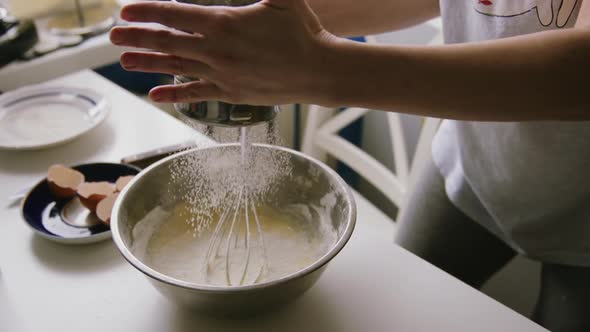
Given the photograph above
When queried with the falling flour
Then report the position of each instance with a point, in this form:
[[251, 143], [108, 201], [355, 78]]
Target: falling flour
[[213, 179], [239, 181]]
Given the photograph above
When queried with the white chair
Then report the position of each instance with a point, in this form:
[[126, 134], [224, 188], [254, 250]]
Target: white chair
[[321, 139]]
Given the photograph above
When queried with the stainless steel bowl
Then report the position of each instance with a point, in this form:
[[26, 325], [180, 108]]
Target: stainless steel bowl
[[311, 181]]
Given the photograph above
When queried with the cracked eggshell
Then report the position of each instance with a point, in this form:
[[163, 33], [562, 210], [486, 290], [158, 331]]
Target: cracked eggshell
[[91, 193], [123, 181], [64, 181], [105, 207]]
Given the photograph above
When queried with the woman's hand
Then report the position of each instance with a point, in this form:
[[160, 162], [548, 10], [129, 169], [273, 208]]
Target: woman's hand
[[271, 52]]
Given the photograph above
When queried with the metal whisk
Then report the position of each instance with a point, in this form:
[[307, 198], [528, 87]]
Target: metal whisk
[[234, 234]]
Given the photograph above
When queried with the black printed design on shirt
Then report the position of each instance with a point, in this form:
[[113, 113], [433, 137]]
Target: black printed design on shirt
[[543, 8]]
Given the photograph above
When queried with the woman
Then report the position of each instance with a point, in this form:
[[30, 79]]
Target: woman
[[508, 169]]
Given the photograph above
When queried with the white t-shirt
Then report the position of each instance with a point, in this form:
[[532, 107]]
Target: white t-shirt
[[527, 182]]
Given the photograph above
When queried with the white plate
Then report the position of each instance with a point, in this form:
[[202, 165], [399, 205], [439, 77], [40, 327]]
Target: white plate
[[42, 116]]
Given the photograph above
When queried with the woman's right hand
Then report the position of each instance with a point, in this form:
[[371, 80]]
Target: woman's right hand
[[271, 52]]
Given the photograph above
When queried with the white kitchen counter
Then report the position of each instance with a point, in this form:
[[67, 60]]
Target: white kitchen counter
[[372, 285]]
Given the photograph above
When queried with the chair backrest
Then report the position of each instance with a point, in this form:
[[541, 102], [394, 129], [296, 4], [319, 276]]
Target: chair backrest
[[321, 139]]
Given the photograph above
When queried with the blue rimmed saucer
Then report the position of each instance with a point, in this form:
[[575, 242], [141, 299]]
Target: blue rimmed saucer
[[41, 116], [66, 220]]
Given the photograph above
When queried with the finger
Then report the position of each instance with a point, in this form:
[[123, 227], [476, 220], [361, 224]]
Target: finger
[[165, 41], [183, 17], [565, 11], [150, 62], [191, 92]]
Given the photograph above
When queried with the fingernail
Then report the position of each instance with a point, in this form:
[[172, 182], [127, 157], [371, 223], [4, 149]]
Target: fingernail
[[156, 97], [128, 61], [126, 14], [116, 37]]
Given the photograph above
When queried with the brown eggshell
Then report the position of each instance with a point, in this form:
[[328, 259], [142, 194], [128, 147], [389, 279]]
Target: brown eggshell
[[90, 193], [105, 207], [123, 181], [64, 181]]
